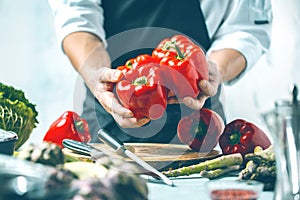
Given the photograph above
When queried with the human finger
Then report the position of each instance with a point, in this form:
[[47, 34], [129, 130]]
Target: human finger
[[129, 122], [195, 104], [109, 75], [111, 104]]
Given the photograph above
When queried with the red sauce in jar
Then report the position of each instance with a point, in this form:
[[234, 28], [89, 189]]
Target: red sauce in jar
[[233, 194]]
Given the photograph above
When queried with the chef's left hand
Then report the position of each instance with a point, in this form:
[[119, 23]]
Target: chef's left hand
[[209, 88]]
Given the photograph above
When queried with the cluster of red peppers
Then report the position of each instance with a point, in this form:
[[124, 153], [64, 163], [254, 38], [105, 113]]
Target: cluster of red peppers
[[68, 126], [203, 129], [176, 65]]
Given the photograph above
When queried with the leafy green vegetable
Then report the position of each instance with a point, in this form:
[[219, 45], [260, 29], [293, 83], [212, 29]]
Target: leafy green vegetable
[[17, 114]]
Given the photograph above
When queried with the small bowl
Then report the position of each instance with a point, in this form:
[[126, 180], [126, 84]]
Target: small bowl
[[7, 142], [229, 189]]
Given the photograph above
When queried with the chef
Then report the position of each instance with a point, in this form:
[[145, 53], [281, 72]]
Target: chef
[[97, 36]]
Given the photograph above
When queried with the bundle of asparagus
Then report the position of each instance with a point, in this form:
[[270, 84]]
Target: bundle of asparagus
[[210, 168], [261, 166]]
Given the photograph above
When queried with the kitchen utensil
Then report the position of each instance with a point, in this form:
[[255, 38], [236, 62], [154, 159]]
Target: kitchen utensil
[[284, 124], [161, 156], [83, 148], [119, 147], [7, 142]]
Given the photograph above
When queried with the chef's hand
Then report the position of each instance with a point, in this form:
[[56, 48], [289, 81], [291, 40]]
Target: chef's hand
[[104, 93], [209, 88], [101, 79], [89, 57]]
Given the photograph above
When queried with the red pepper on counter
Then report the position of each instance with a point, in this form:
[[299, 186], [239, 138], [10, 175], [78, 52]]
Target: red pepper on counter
[[188, 61], [141, 90], [240, 136], [200, 130], [68, 126]]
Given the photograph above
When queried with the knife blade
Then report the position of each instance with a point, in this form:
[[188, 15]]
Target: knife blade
[[120, 149]]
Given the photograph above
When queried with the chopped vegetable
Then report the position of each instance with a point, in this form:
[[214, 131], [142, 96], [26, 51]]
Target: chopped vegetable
[[220, 162], [116, 185], [86, 170], [45, 153], [17, 114]]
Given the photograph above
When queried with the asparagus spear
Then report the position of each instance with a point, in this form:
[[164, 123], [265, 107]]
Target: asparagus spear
[[248, 171], [215, 173], [220, 162], [261, 167]]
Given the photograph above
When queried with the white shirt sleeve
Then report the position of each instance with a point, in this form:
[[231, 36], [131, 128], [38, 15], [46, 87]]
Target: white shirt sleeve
[[78, 15], [231, 24]]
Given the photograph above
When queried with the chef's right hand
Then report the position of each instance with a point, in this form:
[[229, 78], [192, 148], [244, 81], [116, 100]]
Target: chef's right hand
[[89, 57]]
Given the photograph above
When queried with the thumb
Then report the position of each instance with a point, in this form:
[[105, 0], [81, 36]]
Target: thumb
[[208, 88]]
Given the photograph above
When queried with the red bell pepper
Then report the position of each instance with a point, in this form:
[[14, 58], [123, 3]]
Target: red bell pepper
[[200, 130], [141, 90], [136, 62], [68, 126], [241, 136], [189, 64]]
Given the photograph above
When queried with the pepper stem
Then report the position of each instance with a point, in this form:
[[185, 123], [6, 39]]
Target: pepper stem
[[199, 130], [140, 81], [79, 126], [180, 55], [235, 138], [129, 64], [172, 44]]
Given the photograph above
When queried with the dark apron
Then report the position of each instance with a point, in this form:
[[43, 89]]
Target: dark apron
[[135, 27]]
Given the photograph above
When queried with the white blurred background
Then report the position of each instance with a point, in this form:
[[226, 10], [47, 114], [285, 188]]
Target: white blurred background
[[32, 60]]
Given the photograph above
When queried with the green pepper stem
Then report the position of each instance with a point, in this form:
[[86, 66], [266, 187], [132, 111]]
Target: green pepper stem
[[172, 44], [140, 81], [180, 55], [79, 126], [199, 129], [235, 138], [129, 64]]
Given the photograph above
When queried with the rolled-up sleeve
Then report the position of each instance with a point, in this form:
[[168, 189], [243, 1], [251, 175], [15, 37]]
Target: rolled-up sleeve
[[76, 16], [241, 28]]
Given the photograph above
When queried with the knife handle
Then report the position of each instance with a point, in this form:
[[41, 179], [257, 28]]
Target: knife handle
[[111, 140], [76, 146]]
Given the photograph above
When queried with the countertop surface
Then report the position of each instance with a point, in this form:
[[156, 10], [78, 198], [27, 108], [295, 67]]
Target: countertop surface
[[189, 188]]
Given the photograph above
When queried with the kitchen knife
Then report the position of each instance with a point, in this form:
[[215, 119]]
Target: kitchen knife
[[117, 145]]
